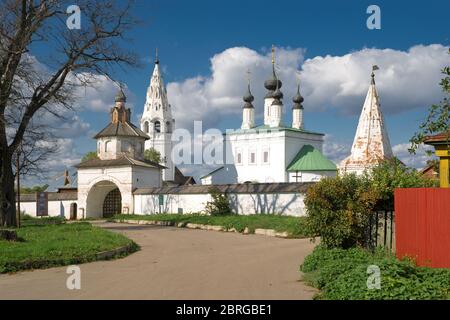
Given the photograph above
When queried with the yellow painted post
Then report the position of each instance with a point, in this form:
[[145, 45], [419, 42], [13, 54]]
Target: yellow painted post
[[443, 152]]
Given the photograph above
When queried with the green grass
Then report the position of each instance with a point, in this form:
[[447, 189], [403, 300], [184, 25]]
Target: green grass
[[27, 220], [342, 275], [295, 226], [50, 245]]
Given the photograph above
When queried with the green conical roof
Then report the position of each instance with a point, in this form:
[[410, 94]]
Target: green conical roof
[[310, 159]]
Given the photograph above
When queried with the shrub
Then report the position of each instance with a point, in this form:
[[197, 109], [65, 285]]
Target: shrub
[[220, 205], [391, 174], [342, 274], [338, 210]]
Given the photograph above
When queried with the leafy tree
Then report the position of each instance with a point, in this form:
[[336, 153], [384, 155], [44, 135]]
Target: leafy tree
[[338, 209], [36, 83], [391, 174], [438, 119], [219, 206], [152, 155], [34, 189], [89, 156]]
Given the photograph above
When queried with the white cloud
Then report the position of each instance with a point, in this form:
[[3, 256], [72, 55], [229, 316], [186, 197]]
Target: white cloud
[[335, 150], [99, 95], [417, 160], [211, 98], [406, 80]]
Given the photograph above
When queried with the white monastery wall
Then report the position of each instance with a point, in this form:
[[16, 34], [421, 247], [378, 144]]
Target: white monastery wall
[[275, 203], [55, 208]]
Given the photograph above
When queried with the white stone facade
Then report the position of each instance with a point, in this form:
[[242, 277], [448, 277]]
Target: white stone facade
[[95, 183], [291, 204]]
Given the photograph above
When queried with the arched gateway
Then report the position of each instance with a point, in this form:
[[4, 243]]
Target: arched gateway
[[106, 183]]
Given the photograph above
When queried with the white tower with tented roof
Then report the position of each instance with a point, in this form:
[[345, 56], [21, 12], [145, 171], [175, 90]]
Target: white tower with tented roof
[[371, 144], [157, 121]]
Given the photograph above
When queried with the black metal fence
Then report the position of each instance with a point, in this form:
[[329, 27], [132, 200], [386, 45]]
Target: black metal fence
[[381, 227]]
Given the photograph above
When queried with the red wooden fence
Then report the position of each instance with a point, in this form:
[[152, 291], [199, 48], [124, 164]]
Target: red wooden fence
[[422, 225]]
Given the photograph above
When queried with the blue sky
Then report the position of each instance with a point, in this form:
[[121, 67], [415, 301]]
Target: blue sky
[[190, 33]]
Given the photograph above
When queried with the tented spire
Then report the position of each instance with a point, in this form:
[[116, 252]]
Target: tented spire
[[371, 144]]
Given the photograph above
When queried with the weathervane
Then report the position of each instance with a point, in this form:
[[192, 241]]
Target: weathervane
[[374, 67]]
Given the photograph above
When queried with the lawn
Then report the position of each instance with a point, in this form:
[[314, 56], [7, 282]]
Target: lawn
[[295, 226], [342, 274], [49, 245]]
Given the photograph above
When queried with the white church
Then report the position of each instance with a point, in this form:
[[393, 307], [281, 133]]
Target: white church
[[267, 169], [273, 152]]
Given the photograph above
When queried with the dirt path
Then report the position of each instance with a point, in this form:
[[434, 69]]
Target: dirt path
[[178, 264]]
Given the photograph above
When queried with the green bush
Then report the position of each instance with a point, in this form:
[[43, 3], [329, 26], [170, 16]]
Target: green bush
[[342, 274], [338, 210], [220, 205], [391, 174]]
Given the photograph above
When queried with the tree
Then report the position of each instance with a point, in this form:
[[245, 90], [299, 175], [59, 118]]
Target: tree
[[152, 155], [89, 156], [43, 61], [438, 119], [220, 205], [391, 174], [34, 189]]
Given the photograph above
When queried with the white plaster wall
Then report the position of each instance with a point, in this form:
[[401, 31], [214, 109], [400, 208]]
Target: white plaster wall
[[274, 171], [280, 203], [55, 208], [162, 142], [113, 148]]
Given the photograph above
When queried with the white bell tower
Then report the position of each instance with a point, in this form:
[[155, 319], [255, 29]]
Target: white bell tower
[[157, 122]]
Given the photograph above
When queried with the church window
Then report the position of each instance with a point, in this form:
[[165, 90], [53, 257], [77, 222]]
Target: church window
[[168, 127], [146, 129], [157, 126], [108, 146], [238, 157], [265, 156], [252, 157]]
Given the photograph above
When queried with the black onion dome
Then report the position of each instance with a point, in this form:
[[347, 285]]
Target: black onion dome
[[277, 94], [120, 96], [298, 99], [273, 82], [248, 99]]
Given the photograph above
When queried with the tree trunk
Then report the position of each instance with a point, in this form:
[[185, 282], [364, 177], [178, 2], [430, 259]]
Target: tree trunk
[[7, 194]]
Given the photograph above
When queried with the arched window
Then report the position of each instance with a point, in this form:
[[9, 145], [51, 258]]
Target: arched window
[[108, 146], [157, 126], [168, 127], [146, 129]]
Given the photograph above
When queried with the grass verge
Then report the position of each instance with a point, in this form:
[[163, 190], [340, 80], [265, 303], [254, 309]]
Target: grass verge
[[45, 246], [294, 226], [342, 275]]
